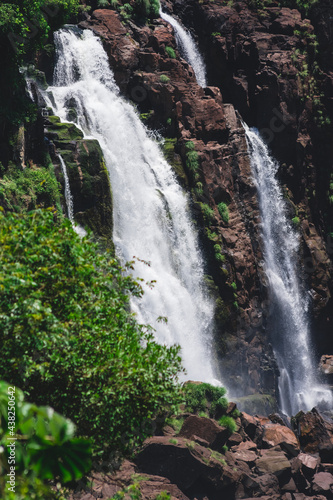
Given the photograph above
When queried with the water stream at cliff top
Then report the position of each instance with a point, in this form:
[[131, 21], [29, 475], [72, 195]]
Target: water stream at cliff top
[[151, 213], [298, 387], [188, 49]]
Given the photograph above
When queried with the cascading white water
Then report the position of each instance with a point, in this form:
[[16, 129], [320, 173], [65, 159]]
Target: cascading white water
[[188, 49], [68, 194], [298, 386], [151, 215]]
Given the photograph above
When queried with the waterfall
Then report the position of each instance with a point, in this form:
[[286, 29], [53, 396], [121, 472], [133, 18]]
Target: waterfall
[[298, 387], [68, 194], [188, 49], [151, 214]]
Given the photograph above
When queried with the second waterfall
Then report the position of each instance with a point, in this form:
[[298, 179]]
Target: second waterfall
[[151, 214]]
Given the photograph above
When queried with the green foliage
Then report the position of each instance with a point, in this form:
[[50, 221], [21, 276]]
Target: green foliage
[[68, 337], [175, 423], [29, 22], [102, 4], [302, 5], [218, 456], [22, 190], [208, 213], [133, 492], [296, 221], [164, 79], [205, 397], [192, 158], [147, 9], [45, 447], [171, 53], [164, 495], [223, 211], [173, 441], [229, 423]]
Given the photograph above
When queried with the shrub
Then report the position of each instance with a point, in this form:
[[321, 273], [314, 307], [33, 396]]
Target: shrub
[[147, 9], [45, 448], [208, 212], [223, 211], [229, 423], [205, 397], [171, 53], [23, 190], [164, 79], [295, 221], [102, 4], [67, 335]]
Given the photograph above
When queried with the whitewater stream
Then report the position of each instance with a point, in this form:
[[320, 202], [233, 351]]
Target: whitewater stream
[[290, 335], [152, 220], [188, 49], [290, 332]]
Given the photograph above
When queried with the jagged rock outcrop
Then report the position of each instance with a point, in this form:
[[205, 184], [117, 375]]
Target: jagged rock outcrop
[[87, 173]]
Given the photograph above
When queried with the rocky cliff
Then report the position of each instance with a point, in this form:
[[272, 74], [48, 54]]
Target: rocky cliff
[[268, 65], [264, 65]]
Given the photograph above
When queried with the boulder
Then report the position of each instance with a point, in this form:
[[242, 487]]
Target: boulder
[[275, 462], [267, 484], [316, 434], [193, 468], [279, 435], [206, 429], [323, 483]]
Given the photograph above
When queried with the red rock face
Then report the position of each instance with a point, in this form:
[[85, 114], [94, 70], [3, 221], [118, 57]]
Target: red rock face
[[256, 59]]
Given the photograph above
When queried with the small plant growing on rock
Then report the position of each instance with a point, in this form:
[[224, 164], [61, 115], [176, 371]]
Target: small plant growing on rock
[[223, 211], [205, 398], [103, 4], [295, 220], [173, 441], [192, 157], [170, 52], [164, 79], [217, 456], [229, 423], [207, 212]]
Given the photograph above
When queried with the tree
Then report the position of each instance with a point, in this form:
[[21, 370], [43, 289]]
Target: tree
[[67, 335]]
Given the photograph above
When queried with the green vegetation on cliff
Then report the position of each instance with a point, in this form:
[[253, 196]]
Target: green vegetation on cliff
[[67, 336], [25, 26]]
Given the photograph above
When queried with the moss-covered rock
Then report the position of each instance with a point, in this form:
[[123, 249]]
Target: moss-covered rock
[[58, 131], [90, 186], [261, 404], [174, 160]]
